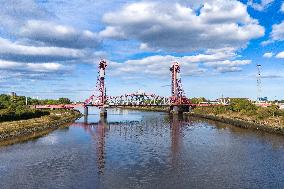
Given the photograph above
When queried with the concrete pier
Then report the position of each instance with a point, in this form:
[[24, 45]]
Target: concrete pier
[[86, 119], [179, 109], [86, 110], [103, 112], [103, 120], [174, 110]]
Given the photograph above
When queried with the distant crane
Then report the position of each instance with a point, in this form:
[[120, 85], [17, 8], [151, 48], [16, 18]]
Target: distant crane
[[258, 80]]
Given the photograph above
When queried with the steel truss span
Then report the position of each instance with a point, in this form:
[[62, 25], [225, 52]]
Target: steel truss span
[[100, 99], [138, 99]]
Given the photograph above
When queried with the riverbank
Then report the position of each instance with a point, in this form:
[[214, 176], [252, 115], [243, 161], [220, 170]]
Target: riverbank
[[20, 113], [267, 123], [10, 131], [274, 125]]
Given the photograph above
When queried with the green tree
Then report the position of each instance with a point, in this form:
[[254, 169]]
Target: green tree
[[64, 101], [198, 100], [274, 110], [1, 106], [243, 105]]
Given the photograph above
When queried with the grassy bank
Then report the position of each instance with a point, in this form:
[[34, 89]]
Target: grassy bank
[[13, 107], [13, 129], [240, 113], [243, 123], [20, 114], [244, 114]]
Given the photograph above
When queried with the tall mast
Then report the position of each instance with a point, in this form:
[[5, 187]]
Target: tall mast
[[258, 79]]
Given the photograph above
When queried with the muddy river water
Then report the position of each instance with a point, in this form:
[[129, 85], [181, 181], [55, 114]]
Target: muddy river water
[[134, 149]]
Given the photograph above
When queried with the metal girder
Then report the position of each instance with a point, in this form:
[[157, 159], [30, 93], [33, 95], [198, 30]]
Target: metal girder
[[100, 99]]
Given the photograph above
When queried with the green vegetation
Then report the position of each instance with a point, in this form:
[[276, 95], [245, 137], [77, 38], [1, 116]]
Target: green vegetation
[[34, 127], [198, 100], [50, 101], [15, 117], [16, 101], [245, 110], [20, 113], [14, 107]]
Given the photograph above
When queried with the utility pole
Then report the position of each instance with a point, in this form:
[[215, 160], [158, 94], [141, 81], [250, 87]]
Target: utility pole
[[258, 80]]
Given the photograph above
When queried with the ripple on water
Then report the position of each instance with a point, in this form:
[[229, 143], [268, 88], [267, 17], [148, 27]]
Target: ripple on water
[[145, 150]]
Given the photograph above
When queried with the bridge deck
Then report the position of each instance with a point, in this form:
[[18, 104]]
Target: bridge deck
[[71, 106]]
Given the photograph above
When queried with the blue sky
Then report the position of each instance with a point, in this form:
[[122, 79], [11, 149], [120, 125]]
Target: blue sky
[[50, 49]]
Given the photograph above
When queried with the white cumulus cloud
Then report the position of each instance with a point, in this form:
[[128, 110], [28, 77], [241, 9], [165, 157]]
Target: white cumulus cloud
[[154, 66], [228, 65], [12, 50], [262, 5], [277, 34], [176, 27], [280, 55], [59, 35], [31, 67], [14, 12], [268, 55], [221, 60]]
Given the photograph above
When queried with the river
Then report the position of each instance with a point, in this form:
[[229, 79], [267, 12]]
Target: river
[[133, 149]]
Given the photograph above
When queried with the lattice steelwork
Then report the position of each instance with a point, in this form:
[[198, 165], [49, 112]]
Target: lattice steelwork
[[138, 99], [99, 96], [178, 96], [100, 99]]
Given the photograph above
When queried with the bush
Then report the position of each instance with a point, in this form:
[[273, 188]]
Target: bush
[[20, 113], [217, 109], [243, 106], [198, 100], [263, 113], [64, 101], [280, 113]]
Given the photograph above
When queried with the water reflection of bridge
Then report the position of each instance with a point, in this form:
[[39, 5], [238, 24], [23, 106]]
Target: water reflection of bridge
[[99, 130]]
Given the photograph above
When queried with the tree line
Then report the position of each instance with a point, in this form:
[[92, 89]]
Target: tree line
[[243, 107], [14, 107]]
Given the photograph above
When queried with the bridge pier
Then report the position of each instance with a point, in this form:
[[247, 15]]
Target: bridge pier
[[85, 119], [86, 110], [103, 112], [179, 109]]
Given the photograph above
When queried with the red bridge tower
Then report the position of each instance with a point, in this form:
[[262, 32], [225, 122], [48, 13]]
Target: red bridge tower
[[178, 100], [99, 97]]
